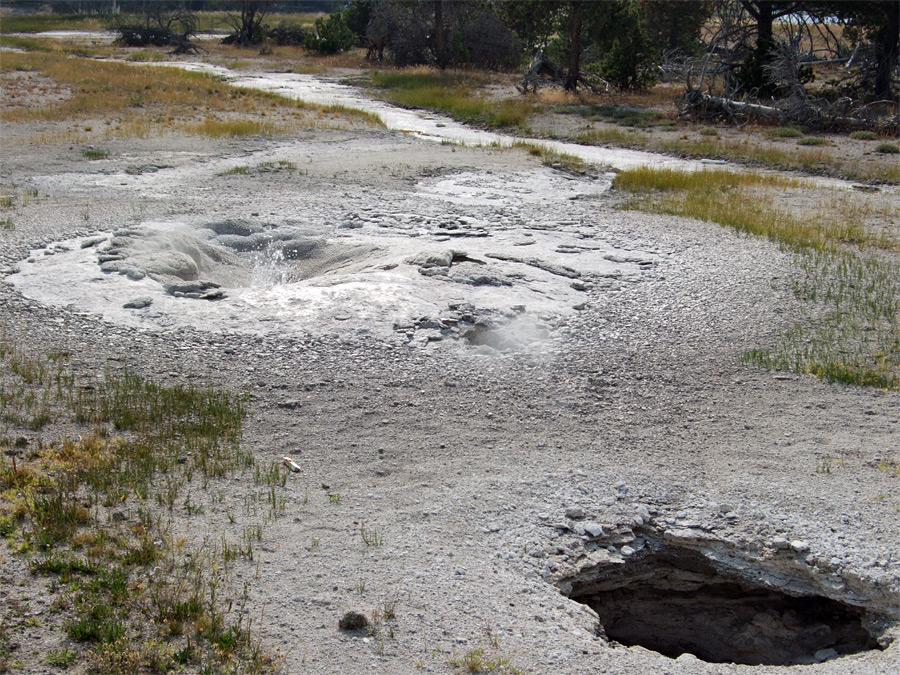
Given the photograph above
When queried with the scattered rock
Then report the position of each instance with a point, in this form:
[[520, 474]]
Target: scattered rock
[[138, 303]]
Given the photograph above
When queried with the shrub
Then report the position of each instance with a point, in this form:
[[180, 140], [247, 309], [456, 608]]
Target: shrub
[[888, 149], [784, 132], [813, 140], [864, 135], [287, 36], [331, 36]]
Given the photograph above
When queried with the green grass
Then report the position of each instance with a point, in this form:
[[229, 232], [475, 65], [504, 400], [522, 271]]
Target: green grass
[[555, 160], [95, 154], [784, 132], [847, 275], [451, 93], [887, 149], [35, 23], [90, 510], [814, 141], [614, 114], [850, 331], [818, 161]]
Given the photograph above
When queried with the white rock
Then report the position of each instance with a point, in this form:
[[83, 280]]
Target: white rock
[[593, 529], [799, 546]]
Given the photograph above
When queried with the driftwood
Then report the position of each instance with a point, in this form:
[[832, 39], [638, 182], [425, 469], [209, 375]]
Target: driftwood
[[810, 113], [543, 68]]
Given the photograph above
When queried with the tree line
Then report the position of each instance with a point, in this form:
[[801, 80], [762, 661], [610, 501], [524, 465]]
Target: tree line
[[749, 49]]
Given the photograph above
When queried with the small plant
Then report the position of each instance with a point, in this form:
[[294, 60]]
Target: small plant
[[887, 149], [61, 659], [709, 131], [813, 140], [370, 535], [864, 135], [7, 224], [95, 154], [236, 171], [334, 498], [784, 132]]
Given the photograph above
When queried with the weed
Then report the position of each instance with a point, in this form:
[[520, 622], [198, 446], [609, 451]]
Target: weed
[[864, 135], [370, 536], [7, 224], [709, 131], [887, 149], [334, 498], [236, 171], [61, 659], [478, 660], [95, 154], [813, 140]]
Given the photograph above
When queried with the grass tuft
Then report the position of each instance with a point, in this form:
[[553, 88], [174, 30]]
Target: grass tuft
[[850, 330], [452, 93]]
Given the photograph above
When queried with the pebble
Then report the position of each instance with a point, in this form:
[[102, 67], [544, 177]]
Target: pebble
[[800, 546], [575, 512]]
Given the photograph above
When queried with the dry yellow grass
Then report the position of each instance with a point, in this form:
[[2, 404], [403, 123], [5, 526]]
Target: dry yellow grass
[[142, 100]]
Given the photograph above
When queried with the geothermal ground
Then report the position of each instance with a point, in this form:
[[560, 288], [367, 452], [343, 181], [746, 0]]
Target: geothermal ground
[[532, 400]]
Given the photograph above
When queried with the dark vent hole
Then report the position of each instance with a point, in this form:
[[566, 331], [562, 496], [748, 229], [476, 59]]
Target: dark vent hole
[[677, 604]]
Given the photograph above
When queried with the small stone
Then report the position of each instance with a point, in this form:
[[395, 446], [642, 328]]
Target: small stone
[[780, 542], [353, 621], [825, 654], [638, 521], [138, 303], [644, 513], [731, 515], [575, 512], [799, 546], [627, 551]]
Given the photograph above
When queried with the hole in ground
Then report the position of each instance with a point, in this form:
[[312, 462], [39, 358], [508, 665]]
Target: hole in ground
[[673, 601]]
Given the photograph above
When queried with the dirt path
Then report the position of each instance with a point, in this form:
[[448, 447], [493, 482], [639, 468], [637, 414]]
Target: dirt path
[[620, 431]]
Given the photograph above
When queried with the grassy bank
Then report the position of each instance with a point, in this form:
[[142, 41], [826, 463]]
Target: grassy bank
[[848, 276], [135, 100]]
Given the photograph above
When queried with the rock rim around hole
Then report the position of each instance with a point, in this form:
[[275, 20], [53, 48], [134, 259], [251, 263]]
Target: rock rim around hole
[[680, 594]]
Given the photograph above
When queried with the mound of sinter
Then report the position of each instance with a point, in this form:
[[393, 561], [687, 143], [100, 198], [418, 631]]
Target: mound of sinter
[[237, 255], [713, 601]]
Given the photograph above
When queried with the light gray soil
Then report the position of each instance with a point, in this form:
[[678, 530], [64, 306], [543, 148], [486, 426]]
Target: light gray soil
[[465, 459]]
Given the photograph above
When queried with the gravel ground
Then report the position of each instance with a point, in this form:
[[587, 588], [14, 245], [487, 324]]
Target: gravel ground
[[494, 478]]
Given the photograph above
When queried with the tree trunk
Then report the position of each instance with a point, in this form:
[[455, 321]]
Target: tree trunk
[[574, 73], [887, 49], [439, 33]]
